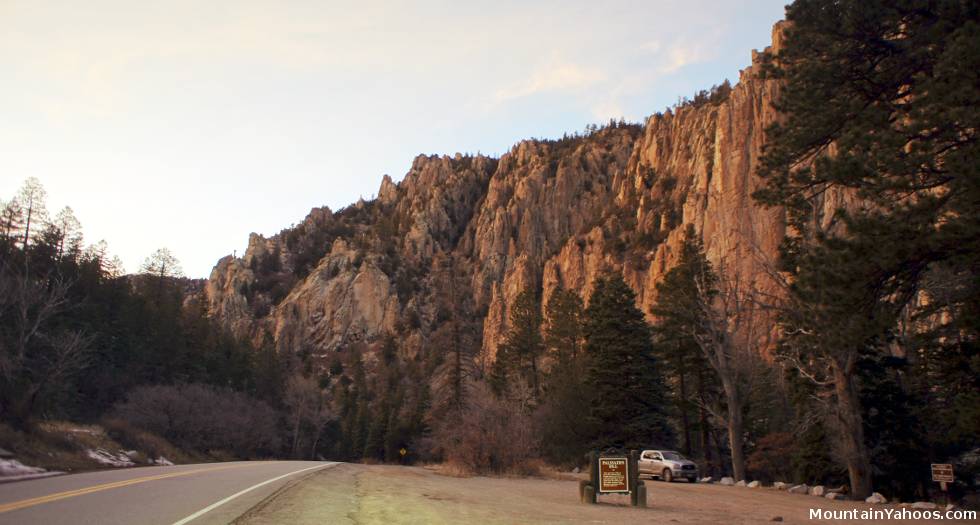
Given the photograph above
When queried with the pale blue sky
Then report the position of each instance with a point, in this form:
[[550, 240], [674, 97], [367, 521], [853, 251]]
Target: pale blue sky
[[189, 124]]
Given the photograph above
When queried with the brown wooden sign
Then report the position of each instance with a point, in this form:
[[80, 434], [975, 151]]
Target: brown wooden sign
[[942, 472], [614, 475]]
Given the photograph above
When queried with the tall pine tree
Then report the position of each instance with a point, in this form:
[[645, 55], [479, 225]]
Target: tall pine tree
[[628, 407], [881, 101]]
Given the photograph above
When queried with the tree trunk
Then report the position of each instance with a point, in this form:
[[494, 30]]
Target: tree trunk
[[295, 447], [316, 441], [27, 227], [734, 402], [705, 436], [685, 422], [851, 429], [735, 442], [706, 448]]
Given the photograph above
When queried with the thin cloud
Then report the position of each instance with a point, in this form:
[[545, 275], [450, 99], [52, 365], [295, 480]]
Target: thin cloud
[[560, 77], [679, 56]]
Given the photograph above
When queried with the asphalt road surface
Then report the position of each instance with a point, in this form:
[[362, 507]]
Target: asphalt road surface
[[192, 494]]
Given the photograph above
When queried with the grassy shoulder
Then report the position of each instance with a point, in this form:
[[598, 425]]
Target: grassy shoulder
[[368, 494]]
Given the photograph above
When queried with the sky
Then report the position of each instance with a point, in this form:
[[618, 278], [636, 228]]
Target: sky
[[189, 124]]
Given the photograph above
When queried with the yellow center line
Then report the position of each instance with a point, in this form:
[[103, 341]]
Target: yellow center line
[[7, 507]]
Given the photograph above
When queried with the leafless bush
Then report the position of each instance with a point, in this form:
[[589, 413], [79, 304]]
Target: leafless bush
[[203, 418], [309, 406], [491, 435]]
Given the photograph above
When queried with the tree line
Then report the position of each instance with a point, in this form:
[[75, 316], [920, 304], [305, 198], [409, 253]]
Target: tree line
[[81, 340]]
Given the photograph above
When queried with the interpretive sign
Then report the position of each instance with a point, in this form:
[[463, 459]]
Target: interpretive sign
[[942, 472], [614, 475], [617, 472]]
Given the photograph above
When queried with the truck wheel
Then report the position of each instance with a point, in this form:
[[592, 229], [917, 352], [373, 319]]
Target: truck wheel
[[667, 476]]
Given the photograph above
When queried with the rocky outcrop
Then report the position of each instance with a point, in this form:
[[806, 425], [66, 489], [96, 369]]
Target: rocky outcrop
[[227, 294], [339, 303], [548, 214]]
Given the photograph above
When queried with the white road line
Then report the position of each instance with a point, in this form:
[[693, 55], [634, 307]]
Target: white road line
[[213, 506]]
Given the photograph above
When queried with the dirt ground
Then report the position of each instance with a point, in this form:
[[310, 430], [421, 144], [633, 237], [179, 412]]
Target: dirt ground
[[369, 494]]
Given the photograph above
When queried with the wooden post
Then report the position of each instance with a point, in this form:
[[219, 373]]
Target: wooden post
[[634, 476], [583, 486], [641, 495], [594, 475]]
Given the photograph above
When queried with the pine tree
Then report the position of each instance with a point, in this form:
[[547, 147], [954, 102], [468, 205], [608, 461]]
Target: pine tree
[[881, 105], [563, 334], [677, 311], [32, 201], [565, 436], [721, 317], [625, 377], [519, 356]]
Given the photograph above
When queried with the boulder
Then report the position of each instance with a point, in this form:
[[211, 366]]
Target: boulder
[[779, 485], [754, 484], [575, 470], [799, 489], [950, 506], [706, 479], [876, 499], [818, 491], [924, 505], [833, 495], [741, 483], [727, 481]]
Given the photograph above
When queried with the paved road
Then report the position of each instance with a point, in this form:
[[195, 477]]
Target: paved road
[[199, 494]]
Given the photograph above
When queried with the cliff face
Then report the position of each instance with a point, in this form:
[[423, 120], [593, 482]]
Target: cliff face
[[547, 214]]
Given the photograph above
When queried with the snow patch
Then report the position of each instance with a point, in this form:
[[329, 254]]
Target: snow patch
[[12, 467], [105, 457], [89, 431], [163, 461], [13, 470]]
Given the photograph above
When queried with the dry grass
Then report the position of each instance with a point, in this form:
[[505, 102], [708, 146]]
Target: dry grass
[[452, 469], [148, 443], [64, 446], [532, 468]]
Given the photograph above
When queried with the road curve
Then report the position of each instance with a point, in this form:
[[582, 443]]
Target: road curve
[[184, 494]]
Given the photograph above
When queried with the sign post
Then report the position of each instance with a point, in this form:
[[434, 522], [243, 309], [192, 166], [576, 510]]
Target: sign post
[[943, 473]]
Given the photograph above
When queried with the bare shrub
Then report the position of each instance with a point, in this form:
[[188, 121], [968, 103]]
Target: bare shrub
[[491, 435], [772, 459], [203, 418]]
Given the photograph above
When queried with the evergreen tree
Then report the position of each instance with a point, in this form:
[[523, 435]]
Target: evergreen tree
[[565, 436], [563, 334], [721, 318], [519, 356], [628, 407], [678, 309], [881, 105], [32, 201]]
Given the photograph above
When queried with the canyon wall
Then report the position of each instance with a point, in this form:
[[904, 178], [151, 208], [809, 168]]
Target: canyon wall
[[473, 232]]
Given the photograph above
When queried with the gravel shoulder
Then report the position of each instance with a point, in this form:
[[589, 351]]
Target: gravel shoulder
[[369, 494]]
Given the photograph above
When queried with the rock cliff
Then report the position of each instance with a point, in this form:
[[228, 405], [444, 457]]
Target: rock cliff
[[547, 214]]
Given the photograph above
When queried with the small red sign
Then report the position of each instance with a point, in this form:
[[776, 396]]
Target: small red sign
[[614, 475], [942, 472]]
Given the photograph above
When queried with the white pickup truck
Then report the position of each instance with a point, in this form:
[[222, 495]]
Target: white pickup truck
[[667, 465]]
